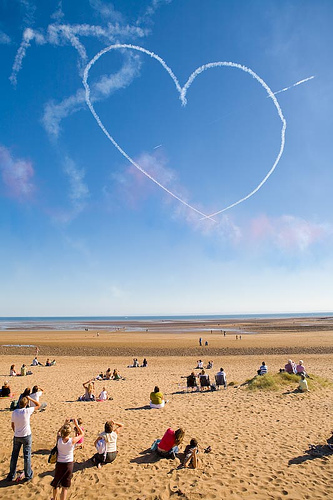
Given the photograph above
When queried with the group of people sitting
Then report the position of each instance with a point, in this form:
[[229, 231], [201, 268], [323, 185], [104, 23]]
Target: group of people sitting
[[202, 380], [35, 362], [109, 375], [89, 395], [168, 447], [200, 365], [24, 370], [293, 369]]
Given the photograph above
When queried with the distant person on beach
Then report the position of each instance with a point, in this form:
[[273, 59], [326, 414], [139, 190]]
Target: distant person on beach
[[144, 363], [103, 395], [200, 364], [206, 343], [50, 363], [22, 436], [116, 375], [221, 376], [13, 372], [290, 367], [263, 369], [190, 454], [88, 391], [303, 385], [168, 446], [108, 374], [35, 362], [192, 381], [300, 369], [5, 390], [65, 459], [106, 444], [36, 393], [209, 365], [200, 341], [156, 399], [23, 370]]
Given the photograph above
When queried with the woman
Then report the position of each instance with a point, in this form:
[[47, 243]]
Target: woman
[[156, 399], [168, 446], [109, 436], [36, 393], [13, 372], [65, 460], [108, 374], [88, 391], [116, 375]]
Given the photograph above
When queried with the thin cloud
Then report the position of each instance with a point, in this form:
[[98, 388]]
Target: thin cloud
[[17, 175], [78, 192], [54, 112], [289, 232], [4, 38], [106, 10]]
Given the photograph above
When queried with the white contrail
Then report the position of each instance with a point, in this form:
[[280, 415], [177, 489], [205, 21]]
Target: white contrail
[[159, 146], [294, 85], [182, 95]]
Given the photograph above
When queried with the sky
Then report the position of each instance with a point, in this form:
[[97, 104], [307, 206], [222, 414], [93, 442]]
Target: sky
[[132, 184]]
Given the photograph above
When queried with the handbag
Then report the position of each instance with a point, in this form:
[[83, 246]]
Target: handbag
[[53, 455]]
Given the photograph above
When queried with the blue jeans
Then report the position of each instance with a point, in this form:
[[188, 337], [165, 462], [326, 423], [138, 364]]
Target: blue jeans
[[17, 443]]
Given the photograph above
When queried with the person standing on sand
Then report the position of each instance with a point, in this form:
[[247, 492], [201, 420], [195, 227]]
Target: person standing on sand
[[22, 436], [65, 459]]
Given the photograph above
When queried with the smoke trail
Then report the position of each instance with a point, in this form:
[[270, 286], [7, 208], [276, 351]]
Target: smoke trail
[[182, 95], [294, 85]]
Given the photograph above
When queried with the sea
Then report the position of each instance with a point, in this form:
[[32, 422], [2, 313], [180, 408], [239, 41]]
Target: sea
[[120, 322]]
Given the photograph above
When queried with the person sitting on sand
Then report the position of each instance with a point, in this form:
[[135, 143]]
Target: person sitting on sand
[[209, 365], [263, 369], [116, 375], [24, 394], [65, 459], [48, 362], [103, 395], [144, 363], [108, 374], [300, 369], [36, 393], [106, 444], [23, 370], [191, 454], [156, 399], [290, 367], [13, 372], [35, 362], [303, 385], [5, 390], [88, 391], [168, 446], [200, 364]]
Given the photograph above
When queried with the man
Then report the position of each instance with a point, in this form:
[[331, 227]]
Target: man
[[221, 378], [22, 436], [263, 369]]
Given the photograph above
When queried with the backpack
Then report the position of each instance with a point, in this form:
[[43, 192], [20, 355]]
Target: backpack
[[13, 405], [101, 446]]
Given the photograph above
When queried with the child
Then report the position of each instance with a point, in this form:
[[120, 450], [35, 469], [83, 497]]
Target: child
[[79, 444], [103, 395], [190, 454]]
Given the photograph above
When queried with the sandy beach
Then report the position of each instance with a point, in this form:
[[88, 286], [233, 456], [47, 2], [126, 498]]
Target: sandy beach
[[259, 439]]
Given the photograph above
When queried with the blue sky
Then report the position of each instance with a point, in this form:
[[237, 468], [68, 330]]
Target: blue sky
[[84, 232]]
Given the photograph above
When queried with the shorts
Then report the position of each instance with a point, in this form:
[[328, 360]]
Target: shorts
[[63, 475]]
